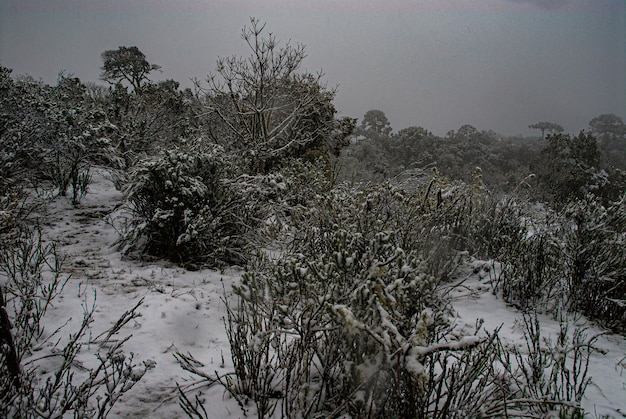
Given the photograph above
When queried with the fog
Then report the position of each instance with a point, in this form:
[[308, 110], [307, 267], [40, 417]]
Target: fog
[[494, 64]]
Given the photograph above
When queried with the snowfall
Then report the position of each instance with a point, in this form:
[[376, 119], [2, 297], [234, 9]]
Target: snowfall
[[183, 311]]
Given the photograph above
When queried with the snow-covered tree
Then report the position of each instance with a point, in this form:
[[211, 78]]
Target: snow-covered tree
[[126, 64], [268, 111], [551, 127]]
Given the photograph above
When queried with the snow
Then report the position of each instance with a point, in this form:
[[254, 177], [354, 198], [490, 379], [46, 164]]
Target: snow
[[607, 367], [183, 311]]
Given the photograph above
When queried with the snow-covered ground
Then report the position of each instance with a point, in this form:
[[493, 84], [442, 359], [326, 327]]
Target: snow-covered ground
[[183, 312]]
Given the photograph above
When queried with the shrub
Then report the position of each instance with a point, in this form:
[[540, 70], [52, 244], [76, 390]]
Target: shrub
[[594, 255], [184, 209], [570, 261], [435, 221], [364, 332], [547, 377], [532, 276], [341, 333]]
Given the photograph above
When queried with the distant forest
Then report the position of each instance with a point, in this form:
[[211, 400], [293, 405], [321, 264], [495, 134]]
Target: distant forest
[[553, 167]]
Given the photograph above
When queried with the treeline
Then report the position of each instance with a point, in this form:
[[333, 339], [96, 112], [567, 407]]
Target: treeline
[[553, 169]]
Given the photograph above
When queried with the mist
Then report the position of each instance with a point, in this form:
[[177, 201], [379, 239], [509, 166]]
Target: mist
[[494, 64]]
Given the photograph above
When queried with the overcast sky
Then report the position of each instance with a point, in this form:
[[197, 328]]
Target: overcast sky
[[439, 64]]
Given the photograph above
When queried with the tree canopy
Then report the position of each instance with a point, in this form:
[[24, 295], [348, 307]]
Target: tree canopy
[[268, 111], [546, 126], [375, 121], [126, 64], [608, 126]]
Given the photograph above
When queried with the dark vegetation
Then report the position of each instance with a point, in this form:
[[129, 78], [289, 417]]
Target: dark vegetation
[[373, 229]]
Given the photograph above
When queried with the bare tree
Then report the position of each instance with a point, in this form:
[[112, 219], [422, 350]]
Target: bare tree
[[267, 109]]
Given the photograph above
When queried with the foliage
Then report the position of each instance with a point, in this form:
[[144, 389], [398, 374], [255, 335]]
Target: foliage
[[548, 377], [571, 167], [607, 127], [184, 209], [147, 121], [127, 64], [504, 163], [434, 220], [532, 276], [79, 139], [466, 132], [352, 316], [353, 320], [375, 123], [24, 133], [51, 135], [572, 261], [594, 255], [611, 133], [551, 127]]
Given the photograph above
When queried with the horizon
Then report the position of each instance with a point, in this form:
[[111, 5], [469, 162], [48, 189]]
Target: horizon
[[497, 65]]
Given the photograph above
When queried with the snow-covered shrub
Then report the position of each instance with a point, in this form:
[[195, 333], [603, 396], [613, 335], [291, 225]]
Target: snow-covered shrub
[[276, 197], [358, 331], [32, 275], [532, 275], [434, 221], [185, 209], [12, 210], [78, 129], [329, 331], [50, 135], [42, 373], [352, 319], [501, 223], [594, 256], [70, 157], [364, 332], [570, 261], [147, 120], [547, 378]]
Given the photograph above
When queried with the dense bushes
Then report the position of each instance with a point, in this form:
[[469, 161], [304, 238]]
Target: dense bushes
[[335, 332], [351, 316], [594, 255], [569, 261], [51, 136], [433, 220], [353, 320], [184, 209]]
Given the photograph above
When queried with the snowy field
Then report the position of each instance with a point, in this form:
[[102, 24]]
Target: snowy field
[[183, 311]]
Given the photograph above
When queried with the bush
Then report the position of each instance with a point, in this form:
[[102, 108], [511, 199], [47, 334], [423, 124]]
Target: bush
[[571, 261], [184, 209], [594, 255], [435, 220], [352, 318], [531, 254], [343, 333], [364, 332]]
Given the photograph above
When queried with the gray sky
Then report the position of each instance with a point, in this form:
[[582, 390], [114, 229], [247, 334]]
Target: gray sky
[[439, 64]]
